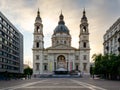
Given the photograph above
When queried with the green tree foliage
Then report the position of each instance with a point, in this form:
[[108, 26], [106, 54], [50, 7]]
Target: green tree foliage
[[107, 66], [28, 71]]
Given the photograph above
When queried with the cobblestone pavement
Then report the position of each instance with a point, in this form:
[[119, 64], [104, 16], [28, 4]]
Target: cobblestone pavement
[[84, 83]]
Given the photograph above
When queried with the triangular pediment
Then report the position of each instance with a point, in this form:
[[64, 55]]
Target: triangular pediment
[[62, 46]]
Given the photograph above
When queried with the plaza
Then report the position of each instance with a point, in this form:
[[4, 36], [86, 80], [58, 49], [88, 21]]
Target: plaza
[[85, 83]]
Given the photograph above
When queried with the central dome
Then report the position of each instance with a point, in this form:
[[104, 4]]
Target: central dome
[[61, 28]]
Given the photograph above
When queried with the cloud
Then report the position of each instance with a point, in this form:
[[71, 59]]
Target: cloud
[[101, 15]]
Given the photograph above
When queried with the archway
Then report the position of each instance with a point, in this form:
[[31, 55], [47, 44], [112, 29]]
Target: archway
[[61, 65], [61, 62]]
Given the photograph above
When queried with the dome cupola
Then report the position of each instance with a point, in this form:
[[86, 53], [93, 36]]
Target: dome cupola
[[61, 28]]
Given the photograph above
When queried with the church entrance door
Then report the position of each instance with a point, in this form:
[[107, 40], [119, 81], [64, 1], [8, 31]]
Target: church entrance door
[[61, 65], [61, 62]]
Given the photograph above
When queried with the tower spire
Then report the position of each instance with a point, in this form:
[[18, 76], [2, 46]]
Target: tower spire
[[38, 18], [84, 11], [38, 12], [84, 18], [61, 17]]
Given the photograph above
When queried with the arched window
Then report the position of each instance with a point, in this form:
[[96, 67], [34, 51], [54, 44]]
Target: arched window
[[61, 58], [38, 29], [84, 44], [37, 44], [84, 29]]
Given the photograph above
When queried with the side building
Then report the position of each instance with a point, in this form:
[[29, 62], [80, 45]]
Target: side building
[[11, 48], [112, 39]]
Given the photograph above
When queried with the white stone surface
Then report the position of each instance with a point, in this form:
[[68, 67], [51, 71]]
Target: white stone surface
[[61, 49]]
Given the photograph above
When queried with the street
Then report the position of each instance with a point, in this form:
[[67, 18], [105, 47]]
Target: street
[[84, 83]]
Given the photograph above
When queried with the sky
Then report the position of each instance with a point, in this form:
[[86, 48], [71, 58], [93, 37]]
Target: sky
[[101, 15]]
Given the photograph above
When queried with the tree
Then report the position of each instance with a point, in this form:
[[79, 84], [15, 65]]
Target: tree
[[28, 72], [107, 66]]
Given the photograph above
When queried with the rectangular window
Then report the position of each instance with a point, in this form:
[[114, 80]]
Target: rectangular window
[[0, 52], [37, 57], [37, 66], [45, 66], [0, 45], [77, 67], [84, 66], [11, 29], [0, 26], [0, 59], [84, 44], [0, 18], [4, 29], [0, 39], [37, 44], [45, 57], [115, 39], [0, 32], [0, 65], [4, 23], [84, 57], [77, 57]]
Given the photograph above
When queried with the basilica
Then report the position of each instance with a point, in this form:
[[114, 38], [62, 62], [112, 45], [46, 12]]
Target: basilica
[[60, 56]]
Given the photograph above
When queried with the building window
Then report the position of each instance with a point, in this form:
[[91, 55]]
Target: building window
[[0, 65], [0, 32], [38, 29], [37, 66], [77, 57], [0, 45], [84, 66], [4, 23], [37, 57], [57, 42], [45, 57], [84, 44], [115, 39], [5, 29], [0, 26], [37, 44], [45, 66], [0, 39], [84, 57], [84, 29], [0, 52], [0, 19], [77, 67], [0, 59]]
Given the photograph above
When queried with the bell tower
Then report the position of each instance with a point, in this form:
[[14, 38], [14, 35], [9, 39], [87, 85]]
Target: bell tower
[[38, 32], [84, 44], [38, 45]]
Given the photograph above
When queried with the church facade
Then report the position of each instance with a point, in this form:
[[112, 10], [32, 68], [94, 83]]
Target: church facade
[[61, 55]]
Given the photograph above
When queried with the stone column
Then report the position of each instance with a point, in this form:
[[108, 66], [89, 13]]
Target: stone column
[[41, 62]]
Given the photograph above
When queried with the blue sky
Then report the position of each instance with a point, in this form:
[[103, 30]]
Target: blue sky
[[22, 13]]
